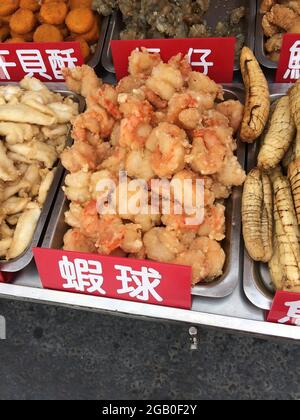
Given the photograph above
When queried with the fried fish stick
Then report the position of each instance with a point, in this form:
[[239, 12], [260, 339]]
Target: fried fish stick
[[24, 231], [257, 107], [267, 218], [287, 231], [275, 267], [25, 114], [279, 136], [252, 205]]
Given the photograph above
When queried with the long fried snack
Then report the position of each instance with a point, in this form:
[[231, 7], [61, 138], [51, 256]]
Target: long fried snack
[[257, 107], [257, 210], [279, 136], [287, 232], [275, 267]]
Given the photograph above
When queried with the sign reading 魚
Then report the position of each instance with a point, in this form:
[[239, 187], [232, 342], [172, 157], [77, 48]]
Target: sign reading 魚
[[289, 64], [41, 60], [211, 56], [285, 309], [112, 277]]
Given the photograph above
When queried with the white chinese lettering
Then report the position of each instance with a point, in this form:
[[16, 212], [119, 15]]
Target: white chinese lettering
[[82, 275], [32, 63], [4, 65], [138, 283], [59, 59], [293, 313], [293, 71], [204, 54]]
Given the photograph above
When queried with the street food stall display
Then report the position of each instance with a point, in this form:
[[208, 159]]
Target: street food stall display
[[134, 179]]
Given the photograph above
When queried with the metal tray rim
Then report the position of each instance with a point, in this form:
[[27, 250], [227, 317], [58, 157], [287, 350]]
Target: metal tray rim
[[96, 58]]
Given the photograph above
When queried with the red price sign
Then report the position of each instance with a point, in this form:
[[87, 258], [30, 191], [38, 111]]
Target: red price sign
[[289, 63], [41, 60], [285, 309], [211, 56], [118, 278]]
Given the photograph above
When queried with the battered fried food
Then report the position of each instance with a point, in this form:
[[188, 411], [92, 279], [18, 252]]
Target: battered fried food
[[23, 21], [15, 40], [80, 20], [266, 5], [47, 33], [54, 13], [274, 43], [4, 33], [8, 7], [33, 5], [92, 35], [28, 37]]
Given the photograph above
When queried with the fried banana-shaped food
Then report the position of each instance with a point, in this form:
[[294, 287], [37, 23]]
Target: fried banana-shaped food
[[257, 210], [275, 267], [289, 156], [287, 232], [21, 113], [279, 136], [257, 107], [294, 96]]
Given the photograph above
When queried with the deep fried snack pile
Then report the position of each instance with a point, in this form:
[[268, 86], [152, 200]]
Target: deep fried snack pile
[[144, 19], [50, 21], [162, 121], [280, 17], [34, 124]]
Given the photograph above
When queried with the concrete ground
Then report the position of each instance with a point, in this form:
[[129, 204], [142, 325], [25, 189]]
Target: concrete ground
[[57, 353]]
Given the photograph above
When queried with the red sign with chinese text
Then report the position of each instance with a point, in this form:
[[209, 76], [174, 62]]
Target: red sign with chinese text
[[289, 64], [285, 309], [6, 277], [41, 60], [211, 56], [117, 278]]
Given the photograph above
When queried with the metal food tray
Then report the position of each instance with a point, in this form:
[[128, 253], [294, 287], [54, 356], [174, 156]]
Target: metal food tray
[[257, 280], [96, 58], [223, 286], [217, 10], [24, 259], [260, 42]]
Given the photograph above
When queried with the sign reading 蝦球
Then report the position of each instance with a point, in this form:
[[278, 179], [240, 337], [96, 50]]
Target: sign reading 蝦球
[[212, 56], [289, 64], [114, 277], [41, 60]]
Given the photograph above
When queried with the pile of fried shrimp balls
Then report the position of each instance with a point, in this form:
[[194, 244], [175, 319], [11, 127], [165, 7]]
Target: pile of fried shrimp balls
[[50, 21], [161, 122]]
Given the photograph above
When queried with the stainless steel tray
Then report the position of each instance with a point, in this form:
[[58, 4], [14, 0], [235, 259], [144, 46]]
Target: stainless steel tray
[[96, 58], [23, 260], [226, 284], [257, 281], [260, 42], [217, 10]]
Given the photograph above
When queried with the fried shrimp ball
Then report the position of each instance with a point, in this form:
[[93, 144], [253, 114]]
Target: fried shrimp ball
[[26, 37], [7, 7], [76, 4], [32, 5], [80, 20], [92, 35], [54, 13], [22, 22], [47, 33]]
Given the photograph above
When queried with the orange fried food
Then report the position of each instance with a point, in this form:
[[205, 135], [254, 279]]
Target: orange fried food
[[80, 20], [7, 7], [15, 40], [22, 22], [4, 33], [47, 33], [54, 13], [76, 4], [5, 19], [26, 37], [32, 5], [85, 49], [92, 35], [64, 30], [54, 1]]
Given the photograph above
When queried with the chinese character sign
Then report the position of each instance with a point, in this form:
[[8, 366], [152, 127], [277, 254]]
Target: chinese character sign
[[111, 277], [41, 60], [289, 63], [285, 309], [212, 56]]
